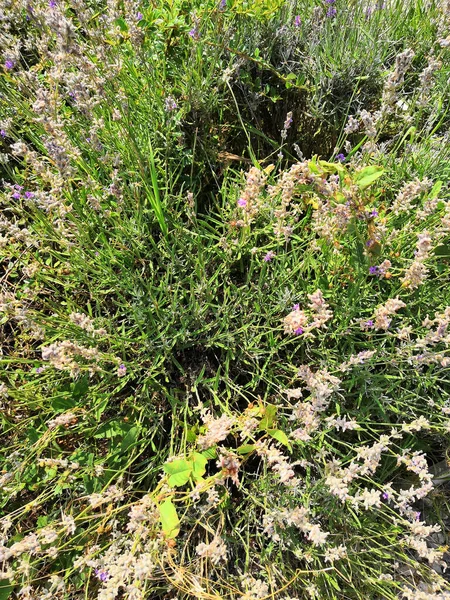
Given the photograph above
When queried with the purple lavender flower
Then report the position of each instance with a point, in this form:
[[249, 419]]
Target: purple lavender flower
[[298, 331], [222, 4], [121, 371], [268, 257], [417, 515], [385, 495], [374, 213], [16, 195], [369, 323], [297, 21], [139, 16], [170, 104], [330, 1], [373, 270], [242, 202], [52, 3], [3, 133], [194, 32], [39, 369], [9, 64], [102, 575], [296, 307], [331, 12], [340, 157], [29, 195]]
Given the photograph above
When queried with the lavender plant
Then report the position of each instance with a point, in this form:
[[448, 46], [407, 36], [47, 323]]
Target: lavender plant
[[224, 382]]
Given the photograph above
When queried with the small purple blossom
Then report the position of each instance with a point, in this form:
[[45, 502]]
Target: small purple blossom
[[373, 270], [331, 12], [102, 575], [2, 133], [241, 202], [296, 307], [385, 496], [52, 3], [121, 371], [39, 369], [268, 257], [340, 157], [29, 195], [16, 195], [195, 32], [374, 213], [297, 21], [417, 515], [170, 104], [139, 16], [222, 4], [9, 64], [369, 323], [298, 331]]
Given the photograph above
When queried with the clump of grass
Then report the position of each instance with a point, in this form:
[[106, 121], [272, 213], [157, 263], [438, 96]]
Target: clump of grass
[[221, 382]]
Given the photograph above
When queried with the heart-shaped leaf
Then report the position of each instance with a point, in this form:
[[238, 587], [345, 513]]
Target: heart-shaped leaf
[[179, 471]]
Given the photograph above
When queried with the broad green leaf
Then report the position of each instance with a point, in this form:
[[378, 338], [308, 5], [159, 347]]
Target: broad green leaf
[[198, 465], [112, 429], [121, 23], [5, 589], [179, 471], [368, 175], [169, 519], [63, 403], [210, 453], [191, 434], [270, 410], [80, 387], [280, 436]]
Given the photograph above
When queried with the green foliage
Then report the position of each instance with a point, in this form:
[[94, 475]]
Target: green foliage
[[160, 244]]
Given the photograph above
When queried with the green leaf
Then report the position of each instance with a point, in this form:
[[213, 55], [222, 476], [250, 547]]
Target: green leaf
[[280, 436], [332, 166], [5, 589], [63, 403], [121, 23], [191, 434], [210, 453], [198, 465], [112, 429], [270, 410], [42, 521], [180, 472], [435, 189], [80, 387], [169, 519], [246, 449], [368, 175], [100, 406]]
